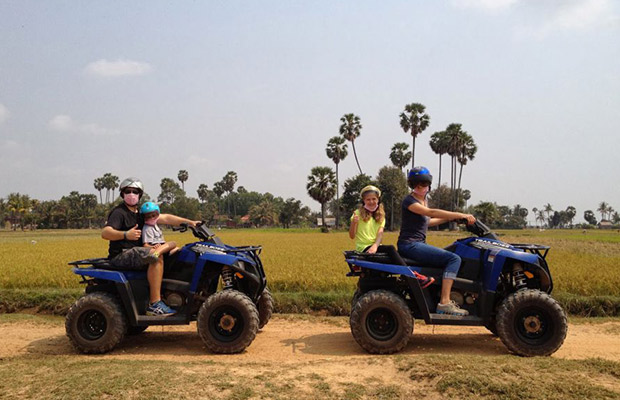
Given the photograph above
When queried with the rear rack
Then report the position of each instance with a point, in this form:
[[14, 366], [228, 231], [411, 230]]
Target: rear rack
[[538, 249]]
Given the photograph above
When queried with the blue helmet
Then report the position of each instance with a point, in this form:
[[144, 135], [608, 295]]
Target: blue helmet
[[417, 175], [149, 207]]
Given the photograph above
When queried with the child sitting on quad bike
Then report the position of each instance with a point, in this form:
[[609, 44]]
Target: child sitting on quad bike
[[123, 229], [416, 218], [367, 225], [151, 233]]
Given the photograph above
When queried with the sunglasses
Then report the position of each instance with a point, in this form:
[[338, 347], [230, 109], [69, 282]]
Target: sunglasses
[[131, 191]]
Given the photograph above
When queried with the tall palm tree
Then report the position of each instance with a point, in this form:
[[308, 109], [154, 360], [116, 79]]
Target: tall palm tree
[[351, 129], [467, 153], [203, 192], [548, 209], [414, 121], [535, 212], [322, 187], [99, 185], [455, 137], [183, 177], [440, 144], [337, 151], [605, 209], [400, 155]]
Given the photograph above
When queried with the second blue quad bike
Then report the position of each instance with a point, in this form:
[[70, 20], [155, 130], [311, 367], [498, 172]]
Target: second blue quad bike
[[223, 288], [505, 287]]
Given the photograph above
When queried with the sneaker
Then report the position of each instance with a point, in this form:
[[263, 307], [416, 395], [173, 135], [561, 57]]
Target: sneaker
[[452, 309], [159, 308], [424, 280]]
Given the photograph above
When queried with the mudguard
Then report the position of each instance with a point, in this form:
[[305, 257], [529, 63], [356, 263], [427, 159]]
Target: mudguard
[[110, 275], [390, 268]]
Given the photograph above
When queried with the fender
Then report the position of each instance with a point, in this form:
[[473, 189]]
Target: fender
[[110, 275], [389, 268]]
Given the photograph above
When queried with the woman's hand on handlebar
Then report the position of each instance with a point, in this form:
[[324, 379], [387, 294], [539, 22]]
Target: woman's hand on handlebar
[[467, 218]]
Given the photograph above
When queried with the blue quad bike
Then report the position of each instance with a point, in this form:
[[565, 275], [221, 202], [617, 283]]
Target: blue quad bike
[[223, 288], [505, 287]]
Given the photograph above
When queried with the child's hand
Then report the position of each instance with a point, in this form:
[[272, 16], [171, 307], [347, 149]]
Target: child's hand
[[356, 218], [372, 249]]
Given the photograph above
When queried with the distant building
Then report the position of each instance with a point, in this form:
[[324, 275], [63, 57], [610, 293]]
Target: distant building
[[329, 221], [605, 224]]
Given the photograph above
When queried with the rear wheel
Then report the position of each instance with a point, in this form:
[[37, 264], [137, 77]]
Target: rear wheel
[[531, 323], [265, 308], [227, 322], [95, 323], [381, 322]]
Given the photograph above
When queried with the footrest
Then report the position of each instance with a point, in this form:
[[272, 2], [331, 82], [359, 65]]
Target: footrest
[[447, 319], [176, 319]]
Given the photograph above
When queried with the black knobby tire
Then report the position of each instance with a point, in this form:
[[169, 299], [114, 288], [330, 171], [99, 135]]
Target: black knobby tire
[[381, 322], [135, 330], [531, 323], [356, 296], [227, 322], [95, 323], [265, 308]]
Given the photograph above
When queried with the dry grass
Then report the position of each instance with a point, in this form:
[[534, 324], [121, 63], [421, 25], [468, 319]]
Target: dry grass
[[305, 261]]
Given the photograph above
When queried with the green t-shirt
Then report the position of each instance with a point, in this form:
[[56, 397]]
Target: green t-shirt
[[366, 234]]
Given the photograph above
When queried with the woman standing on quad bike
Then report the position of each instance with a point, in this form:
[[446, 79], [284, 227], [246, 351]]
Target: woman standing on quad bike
[[416, 218]]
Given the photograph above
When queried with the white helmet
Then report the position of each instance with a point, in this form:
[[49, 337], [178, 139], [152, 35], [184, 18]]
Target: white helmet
[[131, 182]]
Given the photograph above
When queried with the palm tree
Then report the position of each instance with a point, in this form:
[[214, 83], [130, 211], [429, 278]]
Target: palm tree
[[400, 155], [99, 185], [440, 144], [535, 212], [455, 137], [548, 209], [414, 121], [322, 187], [203, 192], [351, 129], [337, 151], [467, 152], [183, 177]]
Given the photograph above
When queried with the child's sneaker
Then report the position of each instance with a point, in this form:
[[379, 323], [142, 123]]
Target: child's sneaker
[[424, 280], [159, 308], [452, 309]]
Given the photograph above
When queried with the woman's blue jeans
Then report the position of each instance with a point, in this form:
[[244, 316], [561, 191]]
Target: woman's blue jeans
[[431, 256]]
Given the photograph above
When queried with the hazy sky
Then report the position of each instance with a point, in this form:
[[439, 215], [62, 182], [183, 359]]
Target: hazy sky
[[149, 88]]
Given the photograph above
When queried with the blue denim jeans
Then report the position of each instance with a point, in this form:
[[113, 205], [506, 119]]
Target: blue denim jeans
[[431, 256]]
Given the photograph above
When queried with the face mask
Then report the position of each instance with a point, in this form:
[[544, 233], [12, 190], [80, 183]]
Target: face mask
[[151, 221], [131, 199], [371, 209], [421, 191]]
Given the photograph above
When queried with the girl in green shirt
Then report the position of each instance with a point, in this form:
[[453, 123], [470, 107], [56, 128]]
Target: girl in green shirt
[[368, 221]]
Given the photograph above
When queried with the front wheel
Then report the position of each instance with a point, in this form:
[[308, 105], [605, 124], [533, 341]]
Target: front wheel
[[227, 322], [381, 322], [95, 323], [531, 323]]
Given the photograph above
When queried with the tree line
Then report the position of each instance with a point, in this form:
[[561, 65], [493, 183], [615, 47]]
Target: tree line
[[223, 205]]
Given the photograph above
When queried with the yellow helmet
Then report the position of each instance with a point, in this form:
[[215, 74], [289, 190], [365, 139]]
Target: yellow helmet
[[370, 188]]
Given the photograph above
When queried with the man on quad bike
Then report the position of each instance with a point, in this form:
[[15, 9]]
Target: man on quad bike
[[416, 218], [123, 229]]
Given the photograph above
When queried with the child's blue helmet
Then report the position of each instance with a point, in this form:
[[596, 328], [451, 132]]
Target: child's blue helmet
[[149, 207], [417, 175]]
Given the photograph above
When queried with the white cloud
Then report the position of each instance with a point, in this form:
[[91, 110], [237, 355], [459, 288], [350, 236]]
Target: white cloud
[[64, 123], [4, 114], [117, 68], [582, 14], [487, 5]]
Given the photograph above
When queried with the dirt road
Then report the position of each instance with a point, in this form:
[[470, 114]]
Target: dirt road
[[293, 339], [305, 358]]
